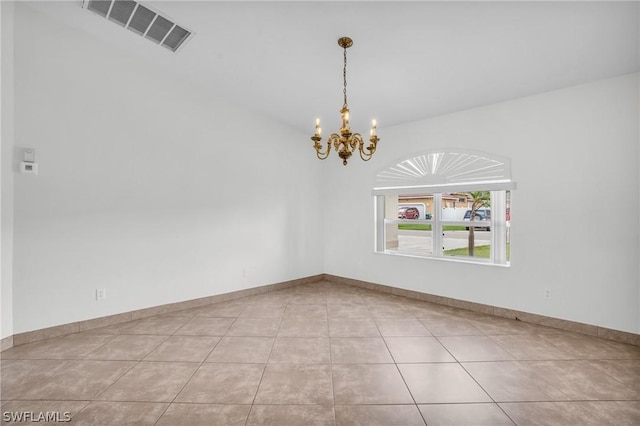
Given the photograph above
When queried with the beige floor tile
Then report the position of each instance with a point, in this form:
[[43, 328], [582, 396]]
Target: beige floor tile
[[66, 380], [206, 326], [551, 413], [485, 414], [494, 325], [587, 347], [295, 384], [301, 350], [426, 309], [529, 347], [254, 327], [627, 371], [161, 325], [508, 381], [580, 381], [620, 413], [390, 311], [347, 310], [450, 327], [417, 349], [263, 311], [223, 384], [20, 377], [127, 347], [291, 415], [204, 415], [73, 346], [474, 348], [359, 350], [353, 327], [242, 350], [378, 415], [401, 327], [187, 313], [300, 327], [441, 383], [272, 298], [101, 413], [369, 384], [221, 310], [184, 348], [151, 382], [307, 299], [338, 298], [306, 311]]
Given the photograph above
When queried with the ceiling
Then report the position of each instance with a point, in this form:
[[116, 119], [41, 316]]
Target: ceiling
[[410, 60]]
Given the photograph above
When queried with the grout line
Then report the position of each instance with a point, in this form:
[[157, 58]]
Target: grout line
[[395, 363], [275, 337], [195, 371], [333, 388]]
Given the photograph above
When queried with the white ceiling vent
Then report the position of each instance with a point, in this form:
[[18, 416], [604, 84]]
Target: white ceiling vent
[[141, 20]]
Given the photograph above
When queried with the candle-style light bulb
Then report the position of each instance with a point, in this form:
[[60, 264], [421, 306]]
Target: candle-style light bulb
[[318, 130], [373, 127]]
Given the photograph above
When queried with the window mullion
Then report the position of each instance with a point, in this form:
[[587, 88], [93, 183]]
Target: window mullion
[[379, 230], [498, 228], [436, 226]]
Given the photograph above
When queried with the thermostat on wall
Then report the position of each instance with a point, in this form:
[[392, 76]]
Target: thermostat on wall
[[29, 155], [28, 168]]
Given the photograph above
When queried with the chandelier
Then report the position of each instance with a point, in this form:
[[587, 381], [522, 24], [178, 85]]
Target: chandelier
[[346, 142]]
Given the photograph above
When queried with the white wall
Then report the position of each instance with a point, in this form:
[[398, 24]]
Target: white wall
[[577, 145], [147, 186], [6, 169]]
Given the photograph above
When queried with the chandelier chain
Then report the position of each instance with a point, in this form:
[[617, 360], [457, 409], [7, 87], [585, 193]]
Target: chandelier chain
[[344, 77]]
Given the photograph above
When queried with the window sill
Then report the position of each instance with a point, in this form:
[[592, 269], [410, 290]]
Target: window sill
[[444, 259]]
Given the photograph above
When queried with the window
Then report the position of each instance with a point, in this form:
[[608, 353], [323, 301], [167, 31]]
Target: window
[[445, 205]]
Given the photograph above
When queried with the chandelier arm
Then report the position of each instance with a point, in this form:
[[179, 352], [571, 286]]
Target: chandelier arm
[[318, 147], [371, 148]]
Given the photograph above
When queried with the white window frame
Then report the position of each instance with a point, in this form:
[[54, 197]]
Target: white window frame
[[443, 171], [498, 228]]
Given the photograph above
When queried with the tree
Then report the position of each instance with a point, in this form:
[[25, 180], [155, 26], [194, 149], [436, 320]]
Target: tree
[[479, 199]]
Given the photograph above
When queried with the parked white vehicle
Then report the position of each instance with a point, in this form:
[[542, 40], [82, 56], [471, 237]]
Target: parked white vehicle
[[482, 215]]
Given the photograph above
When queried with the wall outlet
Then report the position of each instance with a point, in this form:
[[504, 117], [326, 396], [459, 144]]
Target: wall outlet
[[101, 293], [547, 294]]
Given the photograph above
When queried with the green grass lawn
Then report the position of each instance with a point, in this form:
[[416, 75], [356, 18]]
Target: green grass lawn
[[480, 251], [414, 226]]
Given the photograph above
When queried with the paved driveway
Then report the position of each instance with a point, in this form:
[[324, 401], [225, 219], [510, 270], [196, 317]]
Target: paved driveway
[[420, 242]]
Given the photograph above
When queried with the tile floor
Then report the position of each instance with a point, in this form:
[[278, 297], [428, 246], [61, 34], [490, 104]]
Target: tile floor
[[325, 354]]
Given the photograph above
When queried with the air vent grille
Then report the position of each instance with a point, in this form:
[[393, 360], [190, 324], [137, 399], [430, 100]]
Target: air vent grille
[[142, 21]]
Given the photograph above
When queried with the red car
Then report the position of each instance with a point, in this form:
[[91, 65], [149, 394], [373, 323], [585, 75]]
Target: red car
[[408, 213]]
